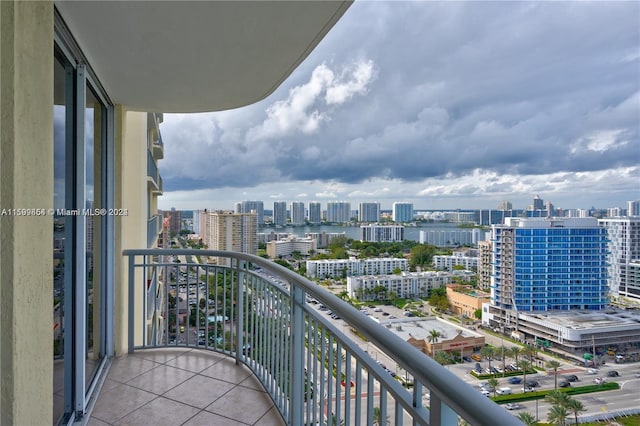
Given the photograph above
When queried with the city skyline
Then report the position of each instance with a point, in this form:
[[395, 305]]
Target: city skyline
[[456, 105]]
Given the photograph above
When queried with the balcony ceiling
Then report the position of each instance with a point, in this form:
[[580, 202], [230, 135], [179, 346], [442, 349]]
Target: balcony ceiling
[[178, 56]]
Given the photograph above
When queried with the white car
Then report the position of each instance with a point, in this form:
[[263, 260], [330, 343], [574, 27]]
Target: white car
[[592, 371], [512, 406], [485, 392]]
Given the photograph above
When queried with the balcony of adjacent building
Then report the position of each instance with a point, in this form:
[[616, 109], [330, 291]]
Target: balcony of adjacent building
[[247, 345], [154, 180]]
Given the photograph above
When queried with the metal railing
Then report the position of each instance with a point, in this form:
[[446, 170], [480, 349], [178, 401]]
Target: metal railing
[[264, 316]]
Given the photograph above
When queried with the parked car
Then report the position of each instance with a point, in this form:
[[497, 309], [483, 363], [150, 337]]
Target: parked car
[[467, 358], [515, 380], [512, 406], [485, 392], [564, 384], [613, 373]]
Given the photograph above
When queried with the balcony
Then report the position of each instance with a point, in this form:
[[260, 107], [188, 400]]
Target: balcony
[[245, 343], [154, 227], [154, 180]]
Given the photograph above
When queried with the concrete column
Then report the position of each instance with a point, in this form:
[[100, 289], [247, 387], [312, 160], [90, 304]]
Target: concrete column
[[26, 242], [131, 230]]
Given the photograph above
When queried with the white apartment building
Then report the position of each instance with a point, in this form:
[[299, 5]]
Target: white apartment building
[[406, 285], [623, 246], [280, 213], [381, 233], [286, 247], [338, 268], [458, 258], [452, 237]]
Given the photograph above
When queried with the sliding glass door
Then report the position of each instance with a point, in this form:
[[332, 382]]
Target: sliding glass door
[[83, 234]]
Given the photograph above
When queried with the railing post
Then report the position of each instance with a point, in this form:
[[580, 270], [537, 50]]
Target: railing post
[[440, 413], [240, 265], [131, 283], [297, 391]]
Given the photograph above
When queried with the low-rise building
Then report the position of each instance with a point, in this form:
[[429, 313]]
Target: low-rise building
[[466, 300], [281, 248], [434, 335], [467, 258], [339, 268], [406, 285]]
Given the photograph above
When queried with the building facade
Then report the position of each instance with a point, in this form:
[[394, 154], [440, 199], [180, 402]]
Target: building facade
[[484, 264], [338, 268], [369, 212], [250, 206], [406, 285], [381, 233], [402, 212], [623, 234], [298, 216], [228, 231], [315, 212], [280, 213], [338, 212], [286, 247], [465, 259], [453, 237], [549, 264]]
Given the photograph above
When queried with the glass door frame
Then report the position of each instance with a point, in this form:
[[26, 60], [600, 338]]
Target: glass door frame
[[79, 79]]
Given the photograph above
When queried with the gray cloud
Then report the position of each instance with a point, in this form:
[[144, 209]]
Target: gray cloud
[[405, 92]]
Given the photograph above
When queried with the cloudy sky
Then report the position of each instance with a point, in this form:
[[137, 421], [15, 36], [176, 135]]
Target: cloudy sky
[[446, 105]]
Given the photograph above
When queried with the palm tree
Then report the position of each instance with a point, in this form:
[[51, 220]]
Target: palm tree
[[557, 398], [493, 382], [377, 417], [441, 357], [527, 419], [515, 352], [524, 365], [558, 415], [433, 336], [488, 352], [530, 352], [574, 406], [554, 365]]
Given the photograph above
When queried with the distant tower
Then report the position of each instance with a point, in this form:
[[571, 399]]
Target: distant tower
[[402, 212], [280, 213], [249, 206], [315, 215], [369, 212], [633, 208], [297, 213]]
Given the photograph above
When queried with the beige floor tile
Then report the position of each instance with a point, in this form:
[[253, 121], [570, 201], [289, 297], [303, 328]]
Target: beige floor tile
[[119, 401], [271, 418], [161, 355], [96, 422], [242, 404], [159, 412], [199, 391], [252, 382], [160, 379], [204, 418], [196, 361], [127, 367], [227, 370]]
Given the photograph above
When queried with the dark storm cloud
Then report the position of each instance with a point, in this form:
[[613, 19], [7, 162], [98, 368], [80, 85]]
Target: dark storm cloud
[[416, 90]]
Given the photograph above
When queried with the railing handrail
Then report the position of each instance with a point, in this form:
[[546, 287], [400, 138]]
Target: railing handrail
[[440, 381]]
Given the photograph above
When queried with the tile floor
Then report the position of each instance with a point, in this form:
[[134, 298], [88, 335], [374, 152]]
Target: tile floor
[[182, 387]]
